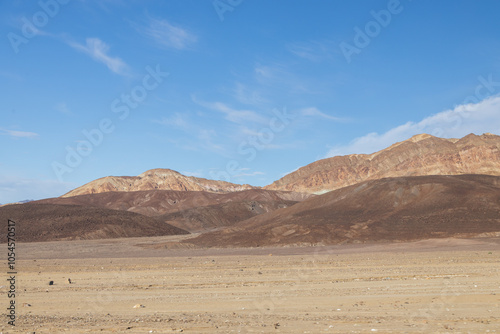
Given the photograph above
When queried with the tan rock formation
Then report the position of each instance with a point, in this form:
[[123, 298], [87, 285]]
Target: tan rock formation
[[160, 179]]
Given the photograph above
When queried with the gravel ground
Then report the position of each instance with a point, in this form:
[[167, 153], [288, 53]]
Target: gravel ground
[[434, 286]]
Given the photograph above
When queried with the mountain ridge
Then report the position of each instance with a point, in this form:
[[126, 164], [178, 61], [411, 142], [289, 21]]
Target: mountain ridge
[[156, 179], [421, 154]]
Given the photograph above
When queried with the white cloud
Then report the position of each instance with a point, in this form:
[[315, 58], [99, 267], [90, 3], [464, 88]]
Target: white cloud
[[166, 34], [256, 173], [313, 51], [272, 73], [200, 138], [177, 121], [20, 134], [11, 76], [247, 96], [62, 107], [249, 132], [16, 189], [233, 115], [275, 73], [475, 118], [207, 135], [195, 174], [98, 50], [265, 71], [312, 111], [281, 76]]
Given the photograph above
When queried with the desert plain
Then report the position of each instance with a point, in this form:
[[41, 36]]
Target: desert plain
[[148, 285]]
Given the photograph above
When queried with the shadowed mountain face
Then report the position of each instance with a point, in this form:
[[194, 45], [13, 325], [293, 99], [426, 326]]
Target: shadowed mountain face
[[49, 222], [156, 179], [194, 211], [393, 209], [140, 213], [205, 218], [420, 155]]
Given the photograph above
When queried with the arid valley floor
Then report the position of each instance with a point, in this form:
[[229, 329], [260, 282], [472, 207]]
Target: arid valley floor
[[431, 286]]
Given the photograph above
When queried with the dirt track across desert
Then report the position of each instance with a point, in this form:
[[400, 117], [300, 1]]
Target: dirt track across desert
[[122, 286]]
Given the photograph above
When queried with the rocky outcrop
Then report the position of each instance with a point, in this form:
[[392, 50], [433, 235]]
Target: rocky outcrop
[[156, 179], [420, 155]]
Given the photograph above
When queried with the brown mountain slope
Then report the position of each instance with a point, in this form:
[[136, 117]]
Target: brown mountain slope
[[419, 155], [205, 218], [156, 179], [391, 209], [190, 210], [158, 202], [49, 222]]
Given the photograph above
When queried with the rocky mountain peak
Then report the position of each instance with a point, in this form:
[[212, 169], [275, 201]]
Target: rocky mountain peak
[[156, 179], [419, 155]]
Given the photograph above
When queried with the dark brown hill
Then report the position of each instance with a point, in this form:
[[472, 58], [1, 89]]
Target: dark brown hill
[[159, 202], [204, 218], [392, 209], [190, 210], [49, 222]]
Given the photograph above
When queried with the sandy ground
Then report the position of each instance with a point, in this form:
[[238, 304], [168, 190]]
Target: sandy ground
[[434, 286]]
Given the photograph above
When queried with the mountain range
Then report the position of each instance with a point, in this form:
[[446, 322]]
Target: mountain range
[[420, 155], [424, 187]]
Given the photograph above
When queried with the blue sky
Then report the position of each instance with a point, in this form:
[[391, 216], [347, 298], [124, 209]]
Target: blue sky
[[244, 91]]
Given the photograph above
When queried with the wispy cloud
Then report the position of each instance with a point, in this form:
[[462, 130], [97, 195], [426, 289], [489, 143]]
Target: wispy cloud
[[62, 107], [245, 95], [454, 123], [166, 34], [207, 135], [205, 139], [256, 173], [11, 76], [177, 120], [313, 51], [98, 50], [271, 72], [314, 112], [281, 76], [19, 134], [195, 174], [209, 140], [233, 115]]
